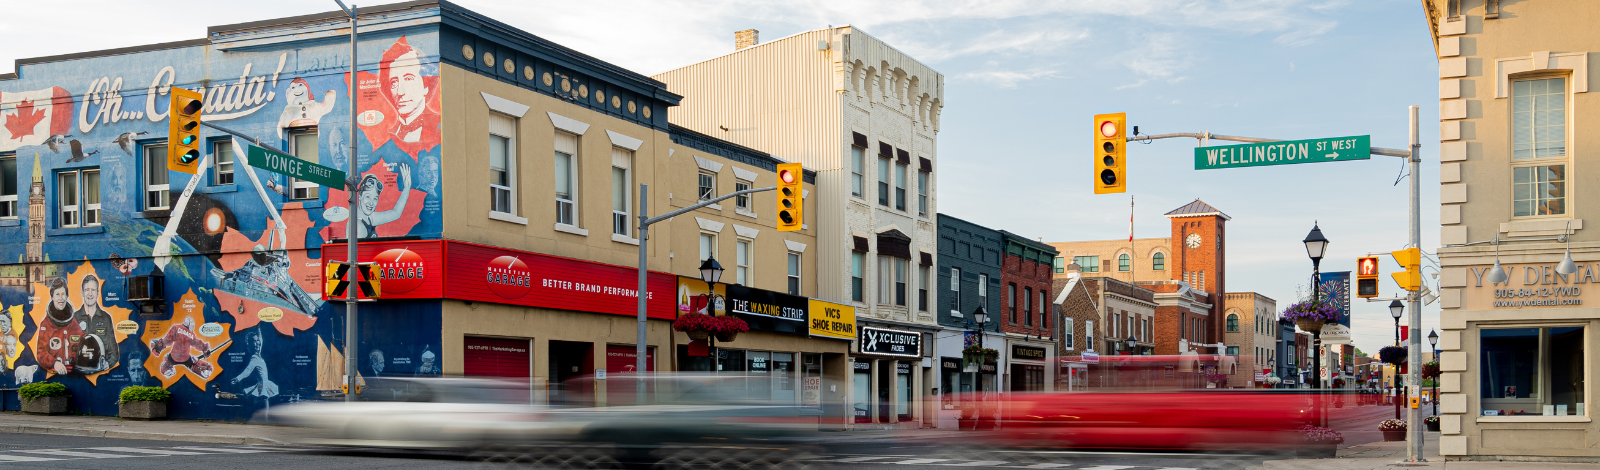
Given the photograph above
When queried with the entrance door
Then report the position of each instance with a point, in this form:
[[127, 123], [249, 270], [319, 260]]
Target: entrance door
[[621, 361], [861, 391], [571, 360]]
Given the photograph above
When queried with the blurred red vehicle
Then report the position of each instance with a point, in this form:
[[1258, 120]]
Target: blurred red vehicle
[[1236, 419]]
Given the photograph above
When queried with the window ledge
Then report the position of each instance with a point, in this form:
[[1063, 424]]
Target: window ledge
[[221, 188], [571, 229], [624, 239], [1543, 227], [746, 213], [711, 206], [956, 313], [10, 222], [1533, 419], [74, 230], [504, 217]]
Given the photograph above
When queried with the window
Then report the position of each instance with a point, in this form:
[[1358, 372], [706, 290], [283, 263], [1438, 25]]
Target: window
[[1027, 306], [923, 273], [1202, 282], [742, 201], [78, 198], [156, 194], [794, 273], [303, 145], [1132, 320], [1088, 335], [1539, 147], [1044, 311], [901, 265], [1060, 265], [1011, 301], [1233, 323], [8, 186], [1112, 324], [922, 193], [1532, 371], [858, 170], [1089, 264], [1066, 333], [1158, 262], [983, 290], [1144, 328], [708, 245], [621, 190], [708, 185], [1233, 351], [883, 182], [858, 281], [885, 281], [741, 262], [955, 291], [1124, 262], [502, 164], [222, 167], [566, 173], [900, 187]]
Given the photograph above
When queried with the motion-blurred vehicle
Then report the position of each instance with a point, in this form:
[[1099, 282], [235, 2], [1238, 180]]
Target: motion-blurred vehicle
[[421, 413], [1234, 420]]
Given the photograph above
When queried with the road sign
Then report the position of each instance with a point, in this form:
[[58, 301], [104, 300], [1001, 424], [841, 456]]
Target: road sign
[[1286, 152], [288, 165]]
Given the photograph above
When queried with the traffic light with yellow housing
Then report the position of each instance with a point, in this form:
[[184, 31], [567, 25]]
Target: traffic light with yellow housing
[[1367, 277], [1410, 260], [1110, 152], [183, 131], [791, 198]]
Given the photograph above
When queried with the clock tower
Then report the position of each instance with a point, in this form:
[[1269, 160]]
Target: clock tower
[[1199, 256]]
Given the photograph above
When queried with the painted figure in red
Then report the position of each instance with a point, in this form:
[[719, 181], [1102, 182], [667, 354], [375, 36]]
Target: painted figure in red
[[187, 350], [59, 334]]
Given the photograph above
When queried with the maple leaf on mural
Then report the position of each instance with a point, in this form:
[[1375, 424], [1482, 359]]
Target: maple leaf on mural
[[21, 123]]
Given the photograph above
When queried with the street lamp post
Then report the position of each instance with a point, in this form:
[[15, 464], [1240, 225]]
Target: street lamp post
[[1316, 247], [981, 317], [1433, 340], [710, 273], [1396, 310]]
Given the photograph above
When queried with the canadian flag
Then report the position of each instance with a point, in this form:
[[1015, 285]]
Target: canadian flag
[[30, 117]]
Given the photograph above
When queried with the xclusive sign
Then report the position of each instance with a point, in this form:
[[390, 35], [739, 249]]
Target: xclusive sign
[[1528, 286], [890, 342], [832, 320]]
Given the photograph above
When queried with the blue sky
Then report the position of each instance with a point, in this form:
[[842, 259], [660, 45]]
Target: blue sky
[[1023, 79]]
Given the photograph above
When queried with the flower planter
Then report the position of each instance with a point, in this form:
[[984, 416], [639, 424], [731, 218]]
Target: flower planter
[[1432, 424], [45, 405], [727, 337], [1318, 450], [966, 424], [146, 410], [698, 335], [1393, 435]]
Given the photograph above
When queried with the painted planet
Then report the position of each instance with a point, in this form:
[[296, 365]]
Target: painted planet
[[270, 314]]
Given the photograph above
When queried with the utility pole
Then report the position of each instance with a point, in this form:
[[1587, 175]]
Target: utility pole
[[1414, 297], [352, 183]]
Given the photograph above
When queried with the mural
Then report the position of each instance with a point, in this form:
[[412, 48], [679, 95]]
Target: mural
[[239, 256]]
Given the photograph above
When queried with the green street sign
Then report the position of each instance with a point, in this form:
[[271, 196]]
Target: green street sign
[[1333, 149], [288, 165]]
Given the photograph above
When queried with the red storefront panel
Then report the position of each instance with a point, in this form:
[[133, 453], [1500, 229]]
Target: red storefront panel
[[624, 359], [496, 357], [411, 269]]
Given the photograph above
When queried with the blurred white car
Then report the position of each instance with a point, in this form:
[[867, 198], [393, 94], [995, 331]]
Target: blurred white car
[[423, 413]]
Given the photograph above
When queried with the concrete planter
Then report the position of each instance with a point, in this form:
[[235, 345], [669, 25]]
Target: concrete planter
[[1393, 435], [45, 406], [146, 410]]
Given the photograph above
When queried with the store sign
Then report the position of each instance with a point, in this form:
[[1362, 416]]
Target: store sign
[[832, 320], [1027, 353], [890, 342], [1529, 286], [411, 269], [766, 310], [950, 363], [1091, 357]]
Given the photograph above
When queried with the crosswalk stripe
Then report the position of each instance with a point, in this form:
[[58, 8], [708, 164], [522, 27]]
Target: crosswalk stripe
[[976, 463], [864, 459], [918, 461], [23, 458], [1108, 467], [86, 455], [227, 449], [137, 450], [1048, 465]]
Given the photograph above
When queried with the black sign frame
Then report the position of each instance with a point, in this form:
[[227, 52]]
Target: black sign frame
[[792, 313], [888, 342], [1017, 351]]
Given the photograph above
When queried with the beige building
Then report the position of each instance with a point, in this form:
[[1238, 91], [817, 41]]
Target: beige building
[[1146, 259], [1516, 121], [865, 118], [1250, 331], [1125, 310]]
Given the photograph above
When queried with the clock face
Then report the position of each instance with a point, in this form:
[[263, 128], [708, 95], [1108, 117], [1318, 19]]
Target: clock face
[[1193, 240]]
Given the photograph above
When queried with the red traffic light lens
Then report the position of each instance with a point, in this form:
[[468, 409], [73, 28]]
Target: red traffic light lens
[[787, 176], [1108, 129]]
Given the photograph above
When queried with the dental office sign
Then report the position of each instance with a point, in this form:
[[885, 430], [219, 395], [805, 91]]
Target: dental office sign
[[1530, 286]]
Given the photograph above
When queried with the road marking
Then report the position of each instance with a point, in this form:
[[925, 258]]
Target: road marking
[[1109, 467], [864, 459], [918, 461], [22, 458], [228, 450], [159, 452], [85, 455], [978, 463], [1048, 465]]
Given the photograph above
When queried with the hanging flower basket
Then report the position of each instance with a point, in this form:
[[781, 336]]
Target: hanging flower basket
[[1310, 316], [1395, 355], [1430, 370], [699, 326], [978, 354], [1220, 380], [729, 327]]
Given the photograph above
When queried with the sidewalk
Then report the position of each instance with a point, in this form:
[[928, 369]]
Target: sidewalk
[[176, 430], [1392, 455]]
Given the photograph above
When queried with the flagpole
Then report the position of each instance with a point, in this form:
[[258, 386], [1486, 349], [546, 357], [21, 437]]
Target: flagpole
[[1133, 268]]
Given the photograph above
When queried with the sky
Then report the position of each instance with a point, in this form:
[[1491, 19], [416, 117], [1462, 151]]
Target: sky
[[1023, 80]]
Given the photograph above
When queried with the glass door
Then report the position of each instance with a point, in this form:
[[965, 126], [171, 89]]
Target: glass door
[[783, 390], [861, 391]]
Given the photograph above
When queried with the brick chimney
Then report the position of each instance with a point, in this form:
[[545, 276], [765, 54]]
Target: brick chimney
[[746, 38]]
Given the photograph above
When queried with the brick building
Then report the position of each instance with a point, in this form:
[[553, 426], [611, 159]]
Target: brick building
[[1125, 310], [1025, 273], [1077, 313]]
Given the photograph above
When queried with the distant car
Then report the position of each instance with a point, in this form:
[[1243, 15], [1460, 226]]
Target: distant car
[[1197, 420], [421, 413]]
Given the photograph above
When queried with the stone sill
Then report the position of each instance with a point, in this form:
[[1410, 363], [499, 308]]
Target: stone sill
[[1533, 419]]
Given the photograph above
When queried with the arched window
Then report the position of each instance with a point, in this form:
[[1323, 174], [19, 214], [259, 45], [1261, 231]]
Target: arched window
[[1158, 262], [1124, 262], [1233, 323]]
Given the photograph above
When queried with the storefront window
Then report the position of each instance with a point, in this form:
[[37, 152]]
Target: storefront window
[[862, 391], [1532, 371]]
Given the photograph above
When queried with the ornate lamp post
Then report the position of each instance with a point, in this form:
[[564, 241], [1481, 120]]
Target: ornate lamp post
[[1316, 246], [1396, 310], [711, 272], [1433, 340]]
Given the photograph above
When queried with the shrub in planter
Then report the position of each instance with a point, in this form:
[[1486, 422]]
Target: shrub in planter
[[45, 398], [1432, 422], [1319, 442], [143, 403]]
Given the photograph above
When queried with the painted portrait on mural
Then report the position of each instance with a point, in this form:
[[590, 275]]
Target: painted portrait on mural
[[10, 328], [301, 108], [368, 217], [186, 346], [98, 348], [428, 364], [403, 81], [255, 371], [79, 340]]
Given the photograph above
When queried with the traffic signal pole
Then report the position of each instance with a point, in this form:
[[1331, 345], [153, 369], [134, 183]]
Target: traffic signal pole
[[1413, 297], [351, 345]]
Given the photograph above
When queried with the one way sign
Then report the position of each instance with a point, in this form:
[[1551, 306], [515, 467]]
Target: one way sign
[[369, 280]]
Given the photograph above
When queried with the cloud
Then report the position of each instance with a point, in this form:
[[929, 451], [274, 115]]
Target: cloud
[[1005, 78]]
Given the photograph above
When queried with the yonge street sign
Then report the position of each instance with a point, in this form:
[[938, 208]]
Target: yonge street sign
[[288, 165], [1286, 152]]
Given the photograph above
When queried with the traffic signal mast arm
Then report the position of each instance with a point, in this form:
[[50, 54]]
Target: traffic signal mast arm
[[241, 135], [1205, 136], [679, 212]]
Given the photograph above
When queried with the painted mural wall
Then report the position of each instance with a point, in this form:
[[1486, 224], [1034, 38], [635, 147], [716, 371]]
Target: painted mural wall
[[242, 327]]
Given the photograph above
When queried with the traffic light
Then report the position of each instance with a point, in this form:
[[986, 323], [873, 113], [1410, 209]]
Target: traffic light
[[1110, 151], [1410, 259], [183, 131], [1367, 277], [791, 198]]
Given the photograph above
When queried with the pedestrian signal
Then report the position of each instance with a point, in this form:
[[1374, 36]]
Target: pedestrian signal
[[1110, 152], [1410, 260], [1367, 277], [183, 131], [791, 198]]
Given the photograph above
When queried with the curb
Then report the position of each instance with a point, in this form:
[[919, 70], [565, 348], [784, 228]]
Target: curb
[[154, 436]]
